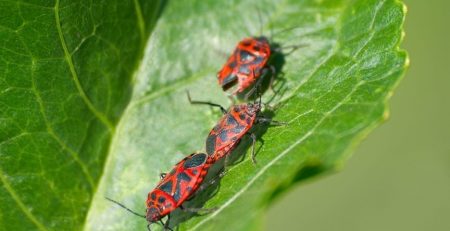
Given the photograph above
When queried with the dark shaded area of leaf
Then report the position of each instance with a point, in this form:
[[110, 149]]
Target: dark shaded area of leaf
[[306, 173]]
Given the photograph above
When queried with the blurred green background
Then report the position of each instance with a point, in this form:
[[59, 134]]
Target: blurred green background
[[399, 177]]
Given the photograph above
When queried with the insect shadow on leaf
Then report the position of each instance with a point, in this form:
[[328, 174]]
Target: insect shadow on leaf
[[255, 63], [207, 190], [271, 79], [212, 182], [239, 154]]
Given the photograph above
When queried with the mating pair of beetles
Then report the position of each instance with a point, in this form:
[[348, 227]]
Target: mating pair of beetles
[[242, 73]]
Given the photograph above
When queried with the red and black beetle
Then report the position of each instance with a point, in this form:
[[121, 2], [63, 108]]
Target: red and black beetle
[[174, 188], [234, 124], [246, 65]]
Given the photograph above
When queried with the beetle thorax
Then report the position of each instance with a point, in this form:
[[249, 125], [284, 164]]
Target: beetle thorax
[[253, 109]]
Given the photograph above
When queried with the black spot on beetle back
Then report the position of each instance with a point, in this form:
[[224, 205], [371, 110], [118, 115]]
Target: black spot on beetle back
[[245, 56], [229, 81], [211, 144], [238, 129], [195, 160], [223, 135], [242, 116], [243, 69], [231, 120], [232, 65], [258, 60], [182, 176], [167, 187]]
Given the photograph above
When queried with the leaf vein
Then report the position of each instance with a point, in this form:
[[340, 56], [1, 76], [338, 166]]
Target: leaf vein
[[75, 78], [20, 203], [299, 141], [140, 20], [170, 87], [52, 133], [372, 33], [272, 162]]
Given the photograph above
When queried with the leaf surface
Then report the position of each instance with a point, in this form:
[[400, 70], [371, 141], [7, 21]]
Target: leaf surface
[[85, 115], [66, 75], [334, 92]]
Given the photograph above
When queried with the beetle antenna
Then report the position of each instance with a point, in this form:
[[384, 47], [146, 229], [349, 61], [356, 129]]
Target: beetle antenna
[[271, 32], [284, 30], [125, 207], [260, 22], [260, 96]]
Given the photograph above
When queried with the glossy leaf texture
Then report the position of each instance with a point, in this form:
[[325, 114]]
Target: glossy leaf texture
[[91, 118], [334, 91], [66, 75]]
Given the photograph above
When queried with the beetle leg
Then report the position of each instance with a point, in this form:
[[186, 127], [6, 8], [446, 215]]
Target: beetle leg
[[277, 123], [205, 102], [250, 92], [163, 175], [257, 86], [166, 225], [207, 184], [263, 120], [232, 99], [291, 47], [272, 78], [270, 121], [225, 163], [211, 182], [197, 210], [253, 148]]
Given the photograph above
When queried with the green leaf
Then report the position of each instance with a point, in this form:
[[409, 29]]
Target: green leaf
[[66, 75], [336, 88], [85, 115]]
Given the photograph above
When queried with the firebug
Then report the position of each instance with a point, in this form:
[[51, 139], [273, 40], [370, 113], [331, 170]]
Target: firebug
[[253, 59], [174, 188], [234, 124], [247, 64]]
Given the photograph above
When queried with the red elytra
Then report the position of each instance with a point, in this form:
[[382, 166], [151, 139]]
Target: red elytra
[[246, 64], [230, 129], [234, 124], [174, 188], [177, 186]]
